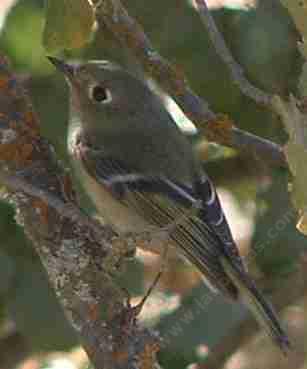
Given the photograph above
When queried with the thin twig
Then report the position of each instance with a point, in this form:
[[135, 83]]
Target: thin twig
[[128, 32], [256, 94], [272, 152]]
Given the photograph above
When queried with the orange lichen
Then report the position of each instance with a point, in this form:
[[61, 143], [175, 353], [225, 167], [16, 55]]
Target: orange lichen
[[219, 129], [26, 151], [94, 312], [4, 82], [17, 152], [120, 356], [20, 150], [31, 122], [147, 357], [42, 209], [7, 151]]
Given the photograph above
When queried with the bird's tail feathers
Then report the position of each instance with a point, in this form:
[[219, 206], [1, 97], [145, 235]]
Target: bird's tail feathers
[[255, 301]]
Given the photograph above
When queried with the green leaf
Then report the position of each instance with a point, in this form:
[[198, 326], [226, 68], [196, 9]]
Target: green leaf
[[69, 24]]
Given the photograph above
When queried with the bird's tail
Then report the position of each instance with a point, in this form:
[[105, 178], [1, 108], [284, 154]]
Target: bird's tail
[[255, 301]]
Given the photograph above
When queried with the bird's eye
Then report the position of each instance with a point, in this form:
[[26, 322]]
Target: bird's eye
[[100, 94]]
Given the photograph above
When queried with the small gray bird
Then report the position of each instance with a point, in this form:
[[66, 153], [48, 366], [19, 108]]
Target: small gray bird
[[140, 171]]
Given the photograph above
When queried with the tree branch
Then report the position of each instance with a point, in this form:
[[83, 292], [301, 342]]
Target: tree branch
[[259, 96], [78, 253], [127, 31], [67, 210]]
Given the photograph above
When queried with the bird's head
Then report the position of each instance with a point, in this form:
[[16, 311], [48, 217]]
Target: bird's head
[[103, 94]]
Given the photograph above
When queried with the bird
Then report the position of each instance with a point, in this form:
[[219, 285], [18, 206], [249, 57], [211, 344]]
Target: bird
[[140, 170]]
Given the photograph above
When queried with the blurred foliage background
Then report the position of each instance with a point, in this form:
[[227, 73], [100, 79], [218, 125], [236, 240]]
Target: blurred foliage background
[[194, 323]]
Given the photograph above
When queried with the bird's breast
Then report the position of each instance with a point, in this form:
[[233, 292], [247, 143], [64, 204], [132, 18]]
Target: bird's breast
[[120, 217]]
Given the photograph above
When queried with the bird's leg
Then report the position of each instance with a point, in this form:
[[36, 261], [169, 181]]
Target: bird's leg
[[162, 235], [138, 308]]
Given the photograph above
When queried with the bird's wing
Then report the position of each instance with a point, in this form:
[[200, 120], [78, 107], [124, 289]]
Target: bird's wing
[[203, 237]]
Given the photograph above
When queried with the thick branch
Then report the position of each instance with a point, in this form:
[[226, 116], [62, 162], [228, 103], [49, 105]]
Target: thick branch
[[113, 15], [67, 210], [79, 255]]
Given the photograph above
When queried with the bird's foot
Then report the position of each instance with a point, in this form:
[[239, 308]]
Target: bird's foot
[[151, 236]]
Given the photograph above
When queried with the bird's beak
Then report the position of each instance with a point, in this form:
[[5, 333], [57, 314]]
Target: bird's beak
[[66, 68]]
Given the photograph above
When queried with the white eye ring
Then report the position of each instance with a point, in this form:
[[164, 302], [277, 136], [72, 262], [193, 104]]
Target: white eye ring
[[100, 94]]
